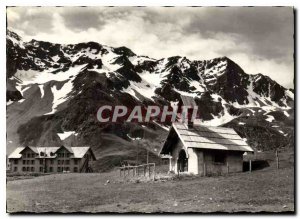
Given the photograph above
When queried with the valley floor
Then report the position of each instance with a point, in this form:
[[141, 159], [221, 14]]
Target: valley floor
[[267, 190]]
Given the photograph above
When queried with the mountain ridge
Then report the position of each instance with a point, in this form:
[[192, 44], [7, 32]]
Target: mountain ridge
[[55, 88]]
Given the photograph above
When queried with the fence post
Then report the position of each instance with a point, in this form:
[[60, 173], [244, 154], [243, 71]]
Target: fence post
[[250, 165], [227, 168], [154, 172], [204, 169], [125, 170], [277, 159]]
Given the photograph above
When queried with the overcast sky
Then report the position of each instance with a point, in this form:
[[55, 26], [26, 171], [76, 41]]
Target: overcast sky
[[260, 40]]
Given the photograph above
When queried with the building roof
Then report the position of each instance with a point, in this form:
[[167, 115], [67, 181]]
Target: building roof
[[67, 148], [188, 101], [16, 153], [204, 137], [48, 151], [78, 152]]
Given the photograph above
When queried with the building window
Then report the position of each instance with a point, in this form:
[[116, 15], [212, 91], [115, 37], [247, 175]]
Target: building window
[[63, 155], [58, 162], [27, 169], [75, 169], [15, 169], [24, 169], [32, 162], [41, 169], [220, 157], [24, 162], [15, 161], [50, 169], [32, 155], [51, 161], [28, 155], [67, 162], [75, 161], [67, 169], [41, 162], [27, 161], [58, 169], [32, 169]]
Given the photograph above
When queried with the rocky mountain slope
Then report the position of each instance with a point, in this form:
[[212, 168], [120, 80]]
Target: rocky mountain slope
[[54, 92]]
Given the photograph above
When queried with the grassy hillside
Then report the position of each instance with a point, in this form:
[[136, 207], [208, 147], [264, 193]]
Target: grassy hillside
[[264, 190]]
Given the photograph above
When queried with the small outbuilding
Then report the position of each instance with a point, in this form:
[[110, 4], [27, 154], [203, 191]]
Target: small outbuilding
[[204, 150]]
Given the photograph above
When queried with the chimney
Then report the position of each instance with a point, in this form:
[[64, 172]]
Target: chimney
[[189, 118]]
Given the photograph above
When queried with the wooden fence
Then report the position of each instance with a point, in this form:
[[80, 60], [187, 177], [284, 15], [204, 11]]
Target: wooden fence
[[139, 170], [267, 155]]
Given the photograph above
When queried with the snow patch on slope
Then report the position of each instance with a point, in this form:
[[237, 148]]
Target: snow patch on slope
[[22, 90], [199, 87], [270, 118], [135, 60], [35, 77], [16, 42], [41, 86], [9, 102], [108, 59], [60, 95], [31, 77], [152, 78], [55, 58], [137, 138], [185, 93], [65, 135], [222, 118], [286, 114], [289, 94], [146, 88]]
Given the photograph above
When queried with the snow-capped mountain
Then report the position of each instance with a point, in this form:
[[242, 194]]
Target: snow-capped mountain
[[55, 90]]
